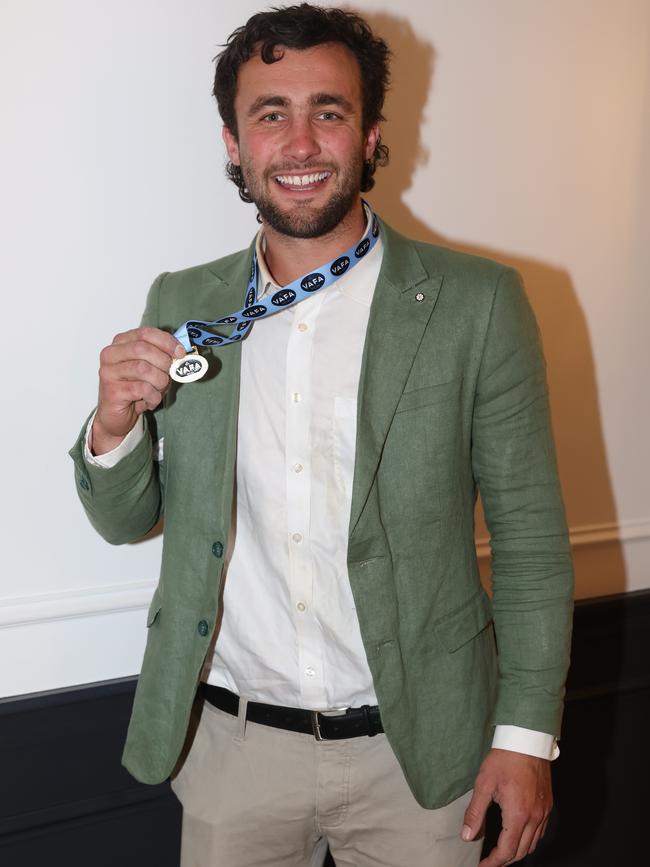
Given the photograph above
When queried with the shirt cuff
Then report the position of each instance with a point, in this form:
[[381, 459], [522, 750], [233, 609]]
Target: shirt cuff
[[528, 741], [110, 459]]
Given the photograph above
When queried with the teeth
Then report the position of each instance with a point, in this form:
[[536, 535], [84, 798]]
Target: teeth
[[301, 180]]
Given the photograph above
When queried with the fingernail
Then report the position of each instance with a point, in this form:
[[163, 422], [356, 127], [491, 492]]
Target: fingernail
[[179, 352], [467, 833]]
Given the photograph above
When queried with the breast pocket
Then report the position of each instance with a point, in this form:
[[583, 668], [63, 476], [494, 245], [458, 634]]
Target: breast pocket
[[429, 395], [155, 607]]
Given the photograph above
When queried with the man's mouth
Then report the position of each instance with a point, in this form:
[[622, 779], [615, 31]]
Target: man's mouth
[[304, 182]]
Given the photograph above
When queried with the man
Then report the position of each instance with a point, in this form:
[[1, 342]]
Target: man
[[349, 688]]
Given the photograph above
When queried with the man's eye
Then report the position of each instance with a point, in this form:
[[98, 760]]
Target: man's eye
[[329, 115], [272, 116]]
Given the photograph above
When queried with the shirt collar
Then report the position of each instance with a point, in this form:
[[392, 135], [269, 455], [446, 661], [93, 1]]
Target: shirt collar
[[355, 284]]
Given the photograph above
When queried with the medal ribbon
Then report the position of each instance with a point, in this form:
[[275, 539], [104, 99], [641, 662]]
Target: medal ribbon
[[196, 333]]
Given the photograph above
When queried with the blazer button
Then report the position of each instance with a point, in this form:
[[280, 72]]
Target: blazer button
[[83, 483], [203, 628], [217, 549]]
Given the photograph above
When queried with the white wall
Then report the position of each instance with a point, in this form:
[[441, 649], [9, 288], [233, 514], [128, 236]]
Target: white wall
[[519, 130]]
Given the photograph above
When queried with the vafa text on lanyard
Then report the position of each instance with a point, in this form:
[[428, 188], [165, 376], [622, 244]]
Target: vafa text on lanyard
[[196, 333]]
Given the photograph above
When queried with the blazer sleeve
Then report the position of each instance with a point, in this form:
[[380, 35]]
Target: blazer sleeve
[[126, 501], [514, 465]]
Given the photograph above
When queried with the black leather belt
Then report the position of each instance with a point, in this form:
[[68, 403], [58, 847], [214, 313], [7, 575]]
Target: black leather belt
[[352, 723]]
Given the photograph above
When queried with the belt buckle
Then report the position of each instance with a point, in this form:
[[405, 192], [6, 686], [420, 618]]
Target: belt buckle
[[315, 725]]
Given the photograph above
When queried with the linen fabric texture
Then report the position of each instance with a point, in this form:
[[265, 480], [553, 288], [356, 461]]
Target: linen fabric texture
[[452, 399]]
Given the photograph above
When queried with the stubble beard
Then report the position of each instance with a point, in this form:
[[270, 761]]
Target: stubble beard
[[303, 220]]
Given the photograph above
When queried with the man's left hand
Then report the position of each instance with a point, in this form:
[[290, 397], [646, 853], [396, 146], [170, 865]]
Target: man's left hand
[[521, 786]]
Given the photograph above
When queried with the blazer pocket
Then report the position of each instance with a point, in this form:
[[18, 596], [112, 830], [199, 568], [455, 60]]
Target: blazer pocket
[[459, 627], [439, 392], [154, 608]]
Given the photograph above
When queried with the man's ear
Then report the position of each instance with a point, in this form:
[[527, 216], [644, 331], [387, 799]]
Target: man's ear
[[232, 147], [371, 139]]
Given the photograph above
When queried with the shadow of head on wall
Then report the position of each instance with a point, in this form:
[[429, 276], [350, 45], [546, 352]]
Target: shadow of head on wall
[[582, 458]]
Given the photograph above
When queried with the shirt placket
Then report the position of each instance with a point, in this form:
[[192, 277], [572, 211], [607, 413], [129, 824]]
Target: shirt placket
[[299, 489]]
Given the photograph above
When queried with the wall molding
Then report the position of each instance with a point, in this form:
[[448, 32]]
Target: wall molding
[[593, 534], [78, 602], [117, 598]]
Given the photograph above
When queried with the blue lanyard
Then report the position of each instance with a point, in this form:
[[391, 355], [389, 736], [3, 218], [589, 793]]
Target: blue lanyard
[[196, 333]]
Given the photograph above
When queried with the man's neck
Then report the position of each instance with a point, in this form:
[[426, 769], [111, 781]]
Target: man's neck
[[288, 258]]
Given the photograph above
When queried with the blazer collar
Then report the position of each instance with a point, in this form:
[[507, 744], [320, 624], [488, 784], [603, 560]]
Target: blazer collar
[[233, 272]]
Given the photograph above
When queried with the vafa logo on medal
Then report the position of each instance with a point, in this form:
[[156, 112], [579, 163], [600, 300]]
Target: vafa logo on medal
[[189, 368]]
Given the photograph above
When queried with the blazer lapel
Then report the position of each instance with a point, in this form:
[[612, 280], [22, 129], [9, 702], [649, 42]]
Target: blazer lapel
[[402, 305], [206, 411], [228, 289]]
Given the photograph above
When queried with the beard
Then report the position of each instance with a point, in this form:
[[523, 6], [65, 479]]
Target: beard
[[302, 220]]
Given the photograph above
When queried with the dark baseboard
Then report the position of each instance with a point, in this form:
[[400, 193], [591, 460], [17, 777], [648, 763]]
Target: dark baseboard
[[65, 800]]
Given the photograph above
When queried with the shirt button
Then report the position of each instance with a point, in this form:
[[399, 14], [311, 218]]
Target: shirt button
[[298, 468], [296, 397], [217, 549], [302, 326], [297, 538], [301, 606], [309, 671], [203, 628]]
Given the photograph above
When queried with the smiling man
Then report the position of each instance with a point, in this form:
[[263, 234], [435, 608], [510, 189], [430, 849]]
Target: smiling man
[[321, 663], [306, 184]]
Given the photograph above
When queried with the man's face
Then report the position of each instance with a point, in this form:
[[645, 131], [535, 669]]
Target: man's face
[[300, 140]]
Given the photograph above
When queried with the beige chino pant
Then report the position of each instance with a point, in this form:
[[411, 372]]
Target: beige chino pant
[[255, 796]]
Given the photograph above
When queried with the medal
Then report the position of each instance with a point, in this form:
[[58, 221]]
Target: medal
[[198, 333], [189, 368]]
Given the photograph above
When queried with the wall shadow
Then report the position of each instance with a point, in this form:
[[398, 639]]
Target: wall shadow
[[577, 423], [582, 457]]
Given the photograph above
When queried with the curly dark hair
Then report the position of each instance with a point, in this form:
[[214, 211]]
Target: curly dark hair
[[299, 27]]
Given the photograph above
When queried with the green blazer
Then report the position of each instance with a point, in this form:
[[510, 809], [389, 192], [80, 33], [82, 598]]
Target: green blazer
[[452, 400]]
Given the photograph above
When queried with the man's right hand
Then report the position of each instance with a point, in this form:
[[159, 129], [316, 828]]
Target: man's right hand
[[133, 377]]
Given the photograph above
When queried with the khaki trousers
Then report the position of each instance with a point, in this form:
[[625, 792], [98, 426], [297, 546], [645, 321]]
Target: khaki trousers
[[254, 795]]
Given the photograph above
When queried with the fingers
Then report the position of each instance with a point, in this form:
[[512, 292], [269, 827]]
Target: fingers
[[141, 406], [538, 835], [131, 381], [142, 344], [123, 392], [525, 841], [165, 342], [134, 370], [515, 842], [505, 852], [138, 350], [474, 818], [522, 829]]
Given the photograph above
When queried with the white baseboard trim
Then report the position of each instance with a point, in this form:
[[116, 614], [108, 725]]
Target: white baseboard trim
[[116, 598], [68, 604]]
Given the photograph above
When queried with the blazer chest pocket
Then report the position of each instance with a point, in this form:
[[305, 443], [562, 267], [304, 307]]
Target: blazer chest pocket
[[429, 395], [459, 627], [154, 608]]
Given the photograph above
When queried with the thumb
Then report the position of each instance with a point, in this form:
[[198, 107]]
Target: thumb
[[475, 814]]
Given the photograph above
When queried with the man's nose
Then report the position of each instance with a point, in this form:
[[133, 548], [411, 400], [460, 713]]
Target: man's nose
[[302, 143]]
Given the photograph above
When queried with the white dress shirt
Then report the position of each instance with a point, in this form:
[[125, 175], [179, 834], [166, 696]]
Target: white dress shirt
[[289, 633]]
